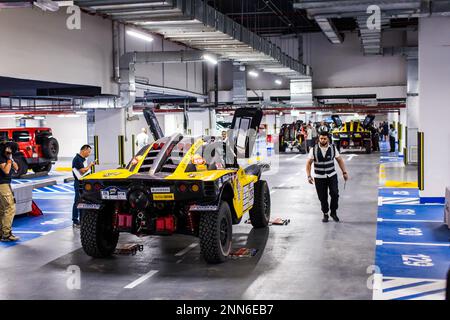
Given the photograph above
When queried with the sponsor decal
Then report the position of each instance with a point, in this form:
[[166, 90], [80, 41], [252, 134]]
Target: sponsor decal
[[111, 174], [89, 206], [160, 190], [203, 208], [113, 193], [163, 197]]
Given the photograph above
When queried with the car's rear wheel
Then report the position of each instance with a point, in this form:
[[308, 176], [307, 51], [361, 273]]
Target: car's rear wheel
[[98, 238], [282, 145], [368, 147], [260, 213], [50, 148], [216, 232]]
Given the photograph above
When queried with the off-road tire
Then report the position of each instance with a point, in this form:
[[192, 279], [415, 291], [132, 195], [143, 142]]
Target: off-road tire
[[282, 145], [22, 163], [50, 148], [368, 147], [260, 213], [215, 246], [97, 236], [46, 167]]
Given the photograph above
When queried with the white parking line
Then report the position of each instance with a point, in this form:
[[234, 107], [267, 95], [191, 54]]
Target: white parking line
[[186, 250], [282, 185], [404, 220], [141, 279], [273, 191], [34, 232], [295, 157], [381, 242]]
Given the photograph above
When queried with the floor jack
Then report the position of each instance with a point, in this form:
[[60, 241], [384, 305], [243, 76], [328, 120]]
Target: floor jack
[[129, 249]]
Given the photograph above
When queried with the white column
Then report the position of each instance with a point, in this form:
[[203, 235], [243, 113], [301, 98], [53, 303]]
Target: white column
[[109, 124], [434, 99]]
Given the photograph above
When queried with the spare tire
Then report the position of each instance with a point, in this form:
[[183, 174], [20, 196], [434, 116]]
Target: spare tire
[[50, 148]]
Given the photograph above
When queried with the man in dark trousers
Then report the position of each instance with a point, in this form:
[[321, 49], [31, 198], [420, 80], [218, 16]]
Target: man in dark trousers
[[7, 203], [325, 174], [78, 170]]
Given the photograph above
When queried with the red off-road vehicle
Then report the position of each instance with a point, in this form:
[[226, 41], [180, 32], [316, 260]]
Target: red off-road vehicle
[[33, 148]]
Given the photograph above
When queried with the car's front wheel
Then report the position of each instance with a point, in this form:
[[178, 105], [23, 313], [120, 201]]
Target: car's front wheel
[[98, 238], [260, 213], [216, 232]]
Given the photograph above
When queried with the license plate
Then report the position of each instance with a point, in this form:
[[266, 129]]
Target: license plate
[[89, 206], [164, 197], [357, 136], [113, 194], [344, 136]]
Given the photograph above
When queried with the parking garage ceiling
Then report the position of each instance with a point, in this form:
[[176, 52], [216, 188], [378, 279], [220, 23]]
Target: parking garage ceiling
[[200, 26]]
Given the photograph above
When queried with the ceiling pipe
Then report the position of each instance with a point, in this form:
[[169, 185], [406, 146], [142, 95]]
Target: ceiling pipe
[[128, 61]]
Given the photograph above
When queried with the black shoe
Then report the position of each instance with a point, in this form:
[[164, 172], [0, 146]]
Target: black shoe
[[76, 225], [325, 218], [335, 217]]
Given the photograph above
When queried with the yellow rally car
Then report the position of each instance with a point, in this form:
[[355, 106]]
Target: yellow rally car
[[180, 185], [353, 134]]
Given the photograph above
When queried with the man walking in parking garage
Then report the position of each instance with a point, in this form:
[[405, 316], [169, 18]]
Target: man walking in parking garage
[[7, 202], [78, 170], [142, 139], [325, 174]]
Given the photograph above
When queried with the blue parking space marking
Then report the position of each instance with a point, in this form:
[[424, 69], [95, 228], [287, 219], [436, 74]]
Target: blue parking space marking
[[399, 192], [413, 261], [395, 288], [57, 215], [418, 232], [412, 212], [397, 200], [59, 188]]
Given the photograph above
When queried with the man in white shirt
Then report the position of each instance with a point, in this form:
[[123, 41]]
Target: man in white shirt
[[142, 139], [325, 174]]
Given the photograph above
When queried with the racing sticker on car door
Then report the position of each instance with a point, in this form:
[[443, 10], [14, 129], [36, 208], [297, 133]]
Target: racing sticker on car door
[[249, 194]]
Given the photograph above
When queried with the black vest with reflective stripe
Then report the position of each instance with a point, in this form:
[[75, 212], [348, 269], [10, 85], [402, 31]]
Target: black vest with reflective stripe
[[324, 167]]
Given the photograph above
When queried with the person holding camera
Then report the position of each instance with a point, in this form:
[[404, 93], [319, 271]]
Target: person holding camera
[[7, 203]]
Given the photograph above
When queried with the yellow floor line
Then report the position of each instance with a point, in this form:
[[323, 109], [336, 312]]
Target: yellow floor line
[[400, 184], [63, 169]]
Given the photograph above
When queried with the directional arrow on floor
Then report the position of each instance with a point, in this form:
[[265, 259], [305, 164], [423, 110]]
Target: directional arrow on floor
[[351, 156]]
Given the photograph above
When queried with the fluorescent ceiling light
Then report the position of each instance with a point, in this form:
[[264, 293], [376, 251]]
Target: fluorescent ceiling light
[[211, 59], [254, 74], [11, 115], [279, 82], [140, 35]]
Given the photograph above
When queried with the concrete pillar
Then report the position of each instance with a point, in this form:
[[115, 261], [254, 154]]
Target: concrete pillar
[[434, 111], [403, 119], [109, 124]]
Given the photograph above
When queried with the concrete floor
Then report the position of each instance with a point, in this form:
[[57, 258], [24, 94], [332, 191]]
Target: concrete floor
[[304, 260]]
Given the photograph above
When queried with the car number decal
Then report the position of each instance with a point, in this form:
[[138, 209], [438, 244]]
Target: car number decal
[[163, 197]]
